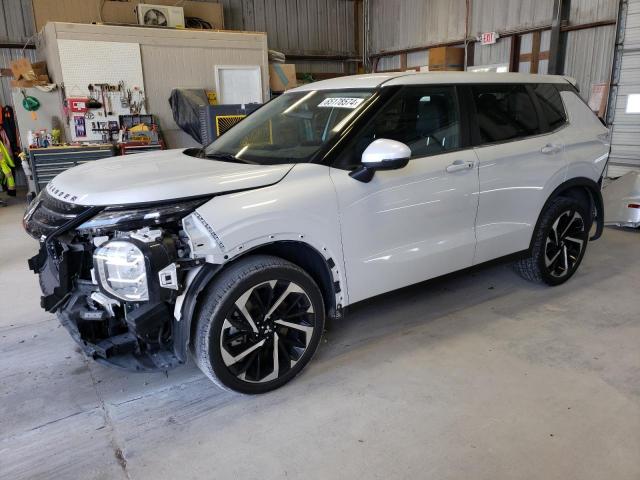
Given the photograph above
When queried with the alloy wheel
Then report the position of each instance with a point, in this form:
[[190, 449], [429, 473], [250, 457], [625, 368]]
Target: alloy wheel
[[267, 331], [565, 243]]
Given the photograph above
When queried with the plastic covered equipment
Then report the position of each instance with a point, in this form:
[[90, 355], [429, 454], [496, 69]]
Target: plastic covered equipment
[[185, 106]]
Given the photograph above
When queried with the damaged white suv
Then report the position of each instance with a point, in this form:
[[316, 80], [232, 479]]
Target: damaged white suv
[[332, 193]]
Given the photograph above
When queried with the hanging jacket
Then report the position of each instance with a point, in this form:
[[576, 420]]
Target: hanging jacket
[[8, 121], [6, 172]]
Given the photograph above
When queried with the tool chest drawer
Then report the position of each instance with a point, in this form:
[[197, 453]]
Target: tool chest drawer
[[46, 163]]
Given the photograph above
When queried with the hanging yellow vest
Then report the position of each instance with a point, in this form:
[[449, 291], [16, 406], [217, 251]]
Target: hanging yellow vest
[[6, 164]]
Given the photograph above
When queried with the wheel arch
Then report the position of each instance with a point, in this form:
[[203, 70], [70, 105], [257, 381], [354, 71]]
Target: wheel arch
[[584, 190], [299, 253]]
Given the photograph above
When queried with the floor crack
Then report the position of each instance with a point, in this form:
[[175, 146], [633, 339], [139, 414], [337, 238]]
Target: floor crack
[[118, 451]]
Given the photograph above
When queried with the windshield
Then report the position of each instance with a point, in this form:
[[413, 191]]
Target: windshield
[[290, 129]]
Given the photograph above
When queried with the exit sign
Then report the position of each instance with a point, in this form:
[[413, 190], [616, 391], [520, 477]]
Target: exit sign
[[489, 38]]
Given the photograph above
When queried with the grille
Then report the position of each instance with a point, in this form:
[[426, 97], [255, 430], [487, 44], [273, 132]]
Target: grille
[[51, 214]]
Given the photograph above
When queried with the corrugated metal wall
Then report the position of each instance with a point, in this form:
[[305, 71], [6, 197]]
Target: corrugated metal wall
[[587, 11], [501, 15], [402, 24], [406, 24], [589, 55], [397, 24], [16, 26], [318, 27], [16, 21]]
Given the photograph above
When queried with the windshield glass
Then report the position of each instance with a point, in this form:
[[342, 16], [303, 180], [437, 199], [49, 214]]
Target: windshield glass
[[290, 129]]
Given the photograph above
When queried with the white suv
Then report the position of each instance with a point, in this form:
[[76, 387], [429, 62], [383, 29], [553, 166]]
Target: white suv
[[332, 193]]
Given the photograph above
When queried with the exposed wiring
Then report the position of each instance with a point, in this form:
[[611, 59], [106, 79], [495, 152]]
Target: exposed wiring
[[100, 7], [195, 22], [26, 44]]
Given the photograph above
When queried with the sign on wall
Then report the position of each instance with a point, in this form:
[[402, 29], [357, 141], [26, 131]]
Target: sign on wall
[[489, 38]]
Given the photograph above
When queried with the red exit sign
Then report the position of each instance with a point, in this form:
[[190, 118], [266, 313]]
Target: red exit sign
[[488, 38]]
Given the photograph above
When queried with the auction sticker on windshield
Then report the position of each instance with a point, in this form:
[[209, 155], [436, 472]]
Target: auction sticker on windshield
[[341, 102]]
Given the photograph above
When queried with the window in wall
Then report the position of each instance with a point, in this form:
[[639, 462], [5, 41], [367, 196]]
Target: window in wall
[[504, 112], [551, 105], [424, 118]]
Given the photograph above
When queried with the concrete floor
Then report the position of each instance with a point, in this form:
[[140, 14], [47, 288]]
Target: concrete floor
[[479, 376]]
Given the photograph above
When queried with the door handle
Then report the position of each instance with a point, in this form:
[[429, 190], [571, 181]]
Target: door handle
[[551, 149], [460, 165]]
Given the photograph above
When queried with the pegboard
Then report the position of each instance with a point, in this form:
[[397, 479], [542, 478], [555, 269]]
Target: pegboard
[[85, 62]]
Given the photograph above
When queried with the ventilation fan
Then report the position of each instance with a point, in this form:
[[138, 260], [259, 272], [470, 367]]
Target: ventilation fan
[[160, 16]]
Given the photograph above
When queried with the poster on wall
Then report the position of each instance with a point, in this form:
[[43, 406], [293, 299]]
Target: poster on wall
[[80, 130], [88, 74]]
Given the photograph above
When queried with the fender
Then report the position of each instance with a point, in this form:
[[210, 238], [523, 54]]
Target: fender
[[186, 309], [182, 325], [595, 196]]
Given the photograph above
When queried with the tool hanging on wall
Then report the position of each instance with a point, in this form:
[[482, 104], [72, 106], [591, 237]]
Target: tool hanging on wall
[[30, 104]]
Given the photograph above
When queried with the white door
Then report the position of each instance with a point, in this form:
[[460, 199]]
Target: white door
[[520, 165], [417, 222]]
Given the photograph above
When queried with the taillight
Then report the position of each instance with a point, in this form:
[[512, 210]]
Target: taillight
[[633, 205]]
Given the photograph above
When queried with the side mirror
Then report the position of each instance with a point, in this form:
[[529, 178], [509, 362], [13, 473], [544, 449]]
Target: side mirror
[[382, 154]]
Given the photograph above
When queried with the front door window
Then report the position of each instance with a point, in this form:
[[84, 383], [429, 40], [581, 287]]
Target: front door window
[[424, 118]]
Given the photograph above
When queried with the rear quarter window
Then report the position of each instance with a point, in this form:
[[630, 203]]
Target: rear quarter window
[[551, 105]]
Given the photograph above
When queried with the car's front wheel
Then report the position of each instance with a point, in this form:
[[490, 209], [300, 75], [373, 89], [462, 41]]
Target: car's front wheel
[[559, 243], [259, 324]]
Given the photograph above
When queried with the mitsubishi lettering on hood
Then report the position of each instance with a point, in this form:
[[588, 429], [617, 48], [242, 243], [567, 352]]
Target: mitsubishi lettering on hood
[[158, 176]]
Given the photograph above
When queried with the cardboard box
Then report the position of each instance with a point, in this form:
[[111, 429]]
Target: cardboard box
[[119, 12], [446, 58], [598, 98], [282, 76], [27, 74], [87, 11]]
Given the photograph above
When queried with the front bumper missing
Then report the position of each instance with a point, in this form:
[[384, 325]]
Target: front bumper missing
[[135, 342]]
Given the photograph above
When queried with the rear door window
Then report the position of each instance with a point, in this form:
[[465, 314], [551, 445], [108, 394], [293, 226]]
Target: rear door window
[[504, 112], [551, 105]]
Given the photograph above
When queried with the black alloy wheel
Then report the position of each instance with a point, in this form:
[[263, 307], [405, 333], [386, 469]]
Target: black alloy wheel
[[559, 243], [267, 330], [259, 325], [565, 243]]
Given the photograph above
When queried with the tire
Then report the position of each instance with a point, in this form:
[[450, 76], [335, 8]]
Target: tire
[[559, 243], [257, 303]]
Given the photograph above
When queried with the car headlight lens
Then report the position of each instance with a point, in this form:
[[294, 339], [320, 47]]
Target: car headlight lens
[[122, 270], [129, 219]]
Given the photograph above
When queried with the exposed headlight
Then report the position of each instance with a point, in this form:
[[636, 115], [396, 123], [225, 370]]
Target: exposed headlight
[[114, 218], [122, 270]]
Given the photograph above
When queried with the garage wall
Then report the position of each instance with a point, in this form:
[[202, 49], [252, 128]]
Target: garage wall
[[319, 27], [169, 58], [16, 21], [625, 142], [302, 28], [500, 15], [589, 55], [398, 25], [16, 27]]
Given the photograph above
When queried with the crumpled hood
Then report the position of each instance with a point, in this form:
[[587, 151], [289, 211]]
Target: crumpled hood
[[157, 176]]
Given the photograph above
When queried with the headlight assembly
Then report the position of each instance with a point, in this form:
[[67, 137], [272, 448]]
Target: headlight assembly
[[113, 218], [122, 270], [127, 268]]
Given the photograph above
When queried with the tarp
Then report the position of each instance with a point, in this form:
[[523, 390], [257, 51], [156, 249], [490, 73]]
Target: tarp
[[185, 106]]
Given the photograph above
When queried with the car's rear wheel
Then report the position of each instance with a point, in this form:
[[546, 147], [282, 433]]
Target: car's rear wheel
[[559, 243], [259, 325]]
